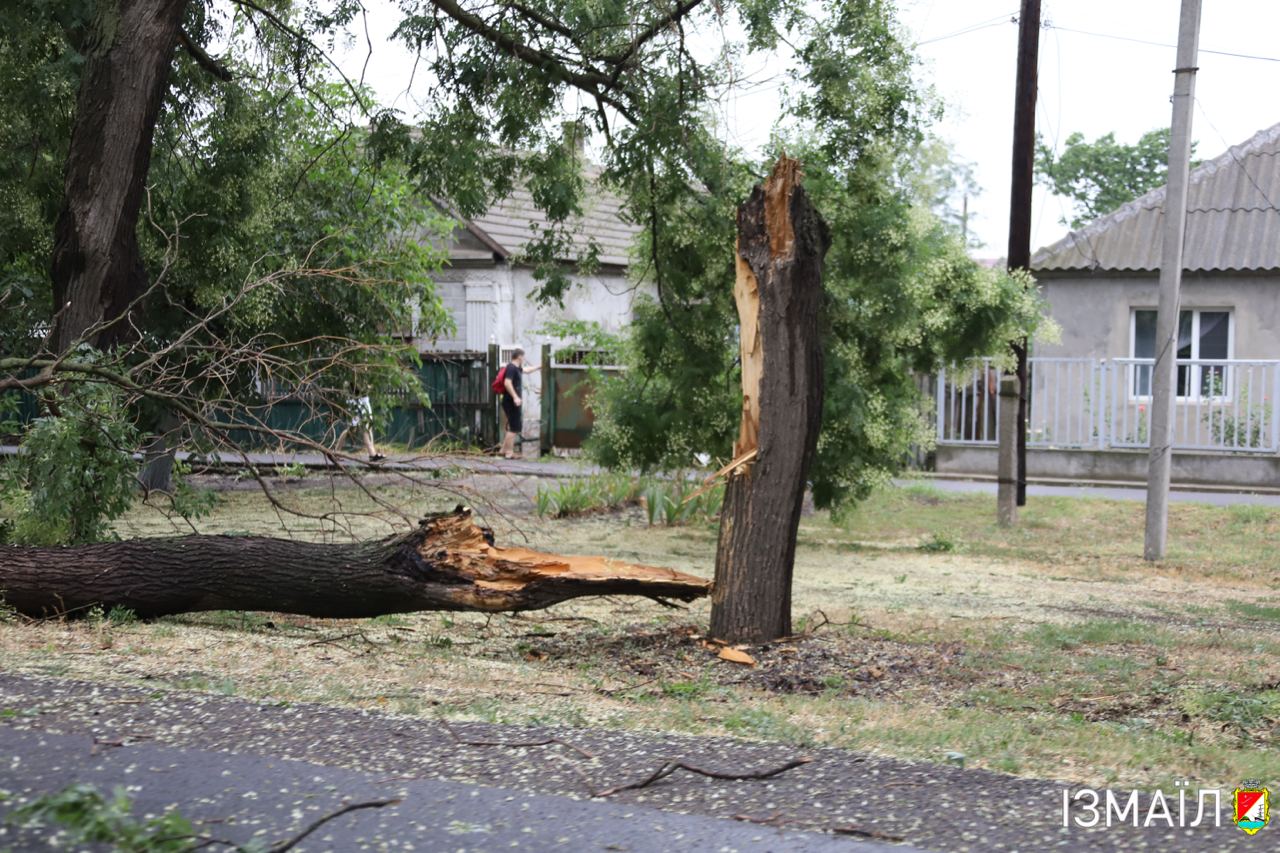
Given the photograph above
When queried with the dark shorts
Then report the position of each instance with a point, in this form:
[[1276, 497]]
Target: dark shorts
[[512, 411]]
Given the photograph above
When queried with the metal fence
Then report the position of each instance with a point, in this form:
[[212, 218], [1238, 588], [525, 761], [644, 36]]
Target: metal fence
[[1076, 403], [459, 408]]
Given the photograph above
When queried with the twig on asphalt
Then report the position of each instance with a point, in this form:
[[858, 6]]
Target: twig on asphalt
[[673, 765], [123, 740], [864, 832], [590, 786], [289, 844], [515, 744], [776, 819]]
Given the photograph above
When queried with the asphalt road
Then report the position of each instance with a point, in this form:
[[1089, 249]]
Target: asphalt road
[[266, 771], [252, 798]]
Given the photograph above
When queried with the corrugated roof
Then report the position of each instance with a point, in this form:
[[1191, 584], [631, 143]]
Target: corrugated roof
[[1232, 222], [513, 222]]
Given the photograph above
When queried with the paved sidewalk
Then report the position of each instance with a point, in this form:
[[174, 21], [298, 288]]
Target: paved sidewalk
[[562, 467], [928, 806], [1113, 492], [531, 466]]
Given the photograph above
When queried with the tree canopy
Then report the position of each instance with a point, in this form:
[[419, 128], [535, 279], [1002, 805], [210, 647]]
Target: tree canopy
[[280, 213], [1102, 175], [902, 296]]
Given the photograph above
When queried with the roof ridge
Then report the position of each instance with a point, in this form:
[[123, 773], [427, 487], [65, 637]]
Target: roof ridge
[[1252, 148]]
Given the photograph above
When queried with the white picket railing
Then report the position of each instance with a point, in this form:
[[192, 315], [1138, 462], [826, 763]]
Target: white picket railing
[[1222, 405]]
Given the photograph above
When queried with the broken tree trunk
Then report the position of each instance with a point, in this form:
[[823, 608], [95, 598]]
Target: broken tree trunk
[[781, 243], [448, 563]]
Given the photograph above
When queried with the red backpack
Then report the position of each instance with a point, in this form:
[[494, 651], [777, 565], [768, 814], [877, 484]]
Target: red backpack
[[499, 384]]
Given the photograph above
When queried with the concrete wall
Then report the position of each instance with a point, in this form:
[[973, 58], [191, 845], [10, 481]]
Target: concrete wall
[[1191, 469], [1093, 310]]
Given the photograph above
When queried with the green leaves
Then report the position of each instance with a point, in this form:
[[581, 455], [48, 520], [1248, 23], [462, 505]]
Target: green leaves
[[88, 817], [902, 297], [76, 472], [1102, 175]]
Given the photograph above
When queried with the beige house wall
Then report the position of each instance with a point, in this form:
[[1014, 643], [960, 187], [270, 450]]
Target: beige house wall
[[1093, 311]]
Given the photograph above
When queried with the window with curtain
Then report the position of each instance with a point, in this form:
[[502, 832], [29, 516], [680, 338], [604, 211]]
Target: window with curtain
[[1202, 335]]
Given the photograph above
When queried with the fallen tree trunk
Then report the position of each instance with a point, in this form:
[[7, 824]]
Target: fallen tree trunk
[[448, 563]]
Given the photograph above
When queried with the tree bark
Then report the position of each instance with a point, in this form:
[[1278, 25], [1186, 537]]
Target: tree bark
[[97, 266], [781, 244], [447, 563]]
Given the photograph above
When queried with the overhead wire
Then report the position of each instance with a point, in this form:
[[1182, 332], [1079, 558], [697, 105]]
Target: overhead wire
[[998, 20], [1161, 43]]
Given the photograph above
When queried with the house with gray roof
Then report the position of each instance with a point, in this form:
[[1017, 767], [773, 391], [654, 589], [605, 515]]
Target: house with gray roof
[[488, 287], [1091, 388], [1102, 281]]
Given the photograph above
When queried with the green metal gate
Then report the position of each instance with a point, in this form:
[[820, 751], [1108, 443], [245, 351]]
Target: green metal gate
[[460, 404], [567, 418]]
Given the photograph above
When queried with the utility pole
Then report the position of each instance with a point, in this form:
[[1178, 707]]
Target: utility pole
[[1024, 148], [1165, 372]]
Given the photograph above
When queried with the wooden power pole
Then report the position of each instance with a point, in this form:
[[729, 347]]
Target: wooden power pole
[[1165, 372], [1024, 147]]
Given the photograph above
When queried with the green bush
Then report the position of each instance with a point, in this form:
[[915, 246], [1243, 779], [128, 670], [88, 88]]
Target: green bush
[[76, 472], [938, 543]]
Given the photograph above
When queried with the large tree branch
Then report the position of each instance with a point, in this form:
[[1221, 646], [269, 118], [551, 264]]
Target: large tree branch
[[542, 20], [591, 82], [447, 563], [650, 32], [203, 59], [281, 25]]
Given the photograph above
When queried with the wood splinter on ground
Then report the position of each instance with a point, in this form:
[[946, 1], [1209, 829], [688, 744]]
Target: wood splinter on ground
[[448, 563]]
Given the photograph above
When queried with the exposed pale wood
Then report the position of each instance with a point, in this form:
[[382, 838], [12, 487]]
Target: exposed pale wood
[[736, 465], [746, 294], [448, 563]]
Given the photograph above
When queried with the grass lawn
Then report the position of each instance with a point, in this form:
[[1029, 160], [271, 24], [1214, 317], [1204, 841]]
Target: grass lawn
[[1051, 650]]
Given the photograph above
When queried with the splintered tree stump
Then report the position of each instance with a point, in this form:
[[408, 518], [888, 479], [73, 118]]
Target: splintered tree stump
[[778, 290], [448, 563]]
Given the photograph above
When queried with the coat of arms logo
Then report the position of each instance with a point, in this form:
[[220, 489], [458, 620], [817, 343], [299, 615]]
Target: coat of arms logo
[[1251, 807]]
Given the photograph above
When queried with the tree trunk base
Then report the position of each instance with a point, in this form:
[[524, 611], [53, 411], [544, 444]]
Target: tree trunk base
[[448, 563]]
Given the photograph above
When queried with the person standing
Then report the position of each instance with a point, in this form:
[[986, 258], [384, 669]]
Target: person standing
[[360, 421], [513, 400]]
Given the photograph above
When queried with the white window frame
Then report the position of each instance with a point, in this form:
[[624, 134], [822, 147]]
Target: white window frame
[[1194, 380]]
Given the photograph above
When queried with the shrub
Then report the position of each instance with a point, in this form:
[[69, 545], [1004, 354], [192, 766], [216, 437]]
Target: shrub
[[76, 473]]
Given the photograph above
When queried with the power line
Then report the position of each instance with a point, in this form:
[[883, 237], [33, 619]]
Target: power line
[[998, 20], [1054, 26]]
